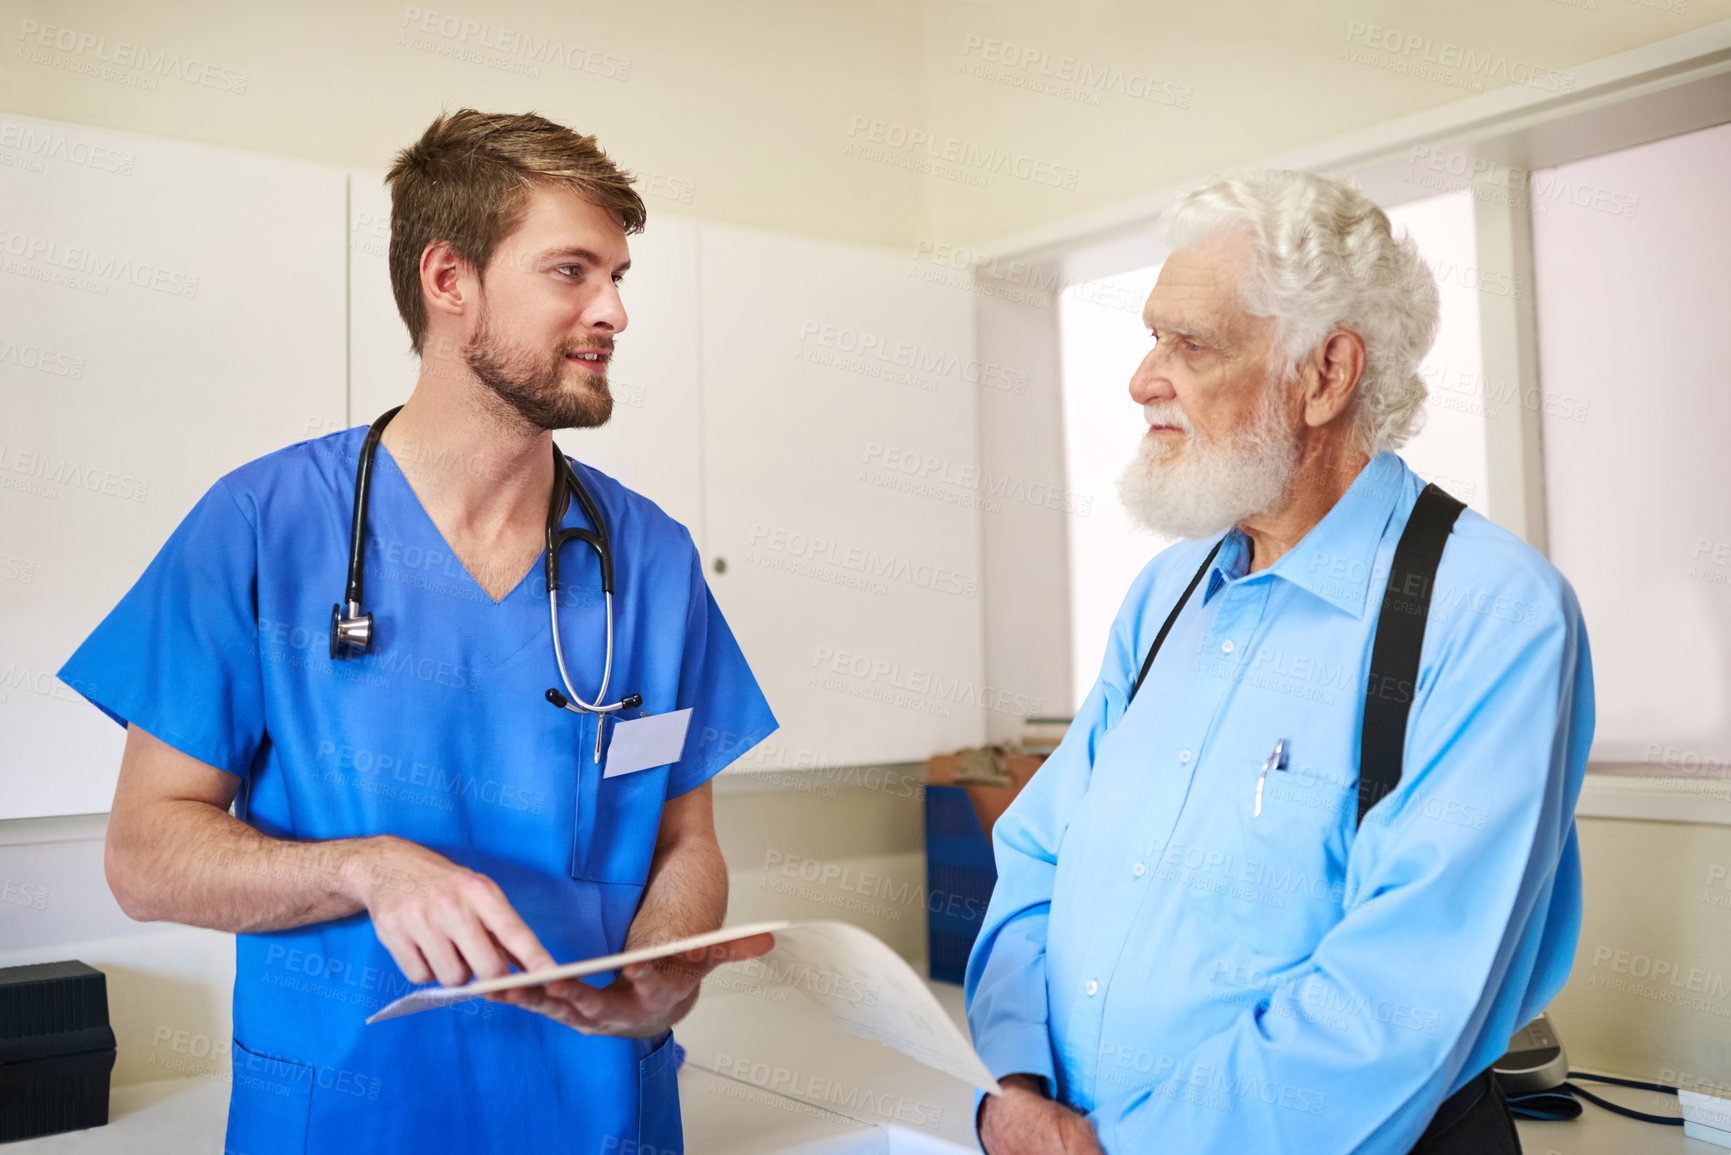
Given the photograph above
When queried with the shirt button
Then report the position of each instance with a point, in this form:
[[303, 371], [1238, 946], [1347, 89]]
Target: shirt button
[[1138, 870], [1227, 646], [1183, 755], [1092, 987]]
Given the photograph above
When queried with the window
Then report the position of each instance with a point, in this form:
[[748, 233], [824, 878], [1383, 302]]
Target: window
[[1631, 253]]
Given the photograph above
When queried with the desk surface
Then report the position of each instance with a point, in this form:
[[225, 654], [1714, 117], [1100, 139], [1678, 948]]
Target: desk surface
[[187, 1117], [824, 1093], [1602, 1132]]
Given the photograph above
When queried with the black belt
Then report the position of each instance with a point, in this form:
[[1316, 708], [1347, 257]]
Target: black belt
[[1458, 1104], [1491, 1131]]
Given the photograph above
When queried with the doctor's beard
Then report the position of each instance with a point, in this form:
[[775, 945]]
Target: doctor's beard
[[535, 388], [1204, 487]]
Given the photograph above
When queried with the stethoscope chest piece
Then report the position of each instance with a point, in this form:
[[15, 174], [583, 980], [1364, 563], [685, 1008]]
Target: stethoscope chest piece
[[351, 631]]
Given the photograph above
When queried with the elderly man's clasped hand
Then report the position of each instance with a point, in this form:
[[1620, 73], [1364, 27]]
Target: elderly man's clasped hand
[[1023, 1121]]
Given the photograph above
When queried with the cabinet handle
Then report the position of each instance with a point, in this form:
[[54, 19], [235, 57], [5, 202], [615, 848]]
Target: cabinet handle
[[720, 565]]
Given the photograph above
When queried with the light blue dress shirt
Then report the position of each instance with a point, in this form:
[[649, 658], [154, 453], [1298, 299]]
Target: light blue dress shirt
[[1197, 978]]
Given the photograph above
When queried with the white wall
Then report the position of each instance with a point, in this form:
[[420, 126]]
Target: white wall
[[1027, 505], [797, 116], [1655, 893], [734, 112], [1110, 102]]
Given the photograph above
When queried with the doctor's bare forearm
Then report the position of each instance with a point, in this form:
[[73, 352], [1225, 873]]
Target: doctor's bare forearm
[[204, 868], [687, 889], [174, 853]]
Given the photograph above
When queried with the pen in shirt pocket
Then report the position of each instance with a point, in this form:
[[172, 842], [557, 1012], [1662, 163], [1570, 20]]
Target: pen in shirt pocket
[[1276, 761]]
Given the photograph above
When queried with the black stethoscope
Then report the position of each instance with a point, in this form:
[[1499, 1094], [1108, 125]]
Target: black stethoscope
[[352, 630]]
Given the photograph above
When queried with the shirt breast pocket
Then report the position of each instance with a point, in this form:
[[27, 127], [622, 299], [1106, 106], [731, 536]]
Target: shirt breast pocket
[[1286, 885], [617, 823], [1318, 796]]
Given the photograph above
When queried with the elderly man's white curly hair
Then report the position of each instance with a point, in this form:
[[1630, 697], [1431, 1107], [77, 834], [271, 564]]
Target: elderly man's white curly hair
[[1326, 258]]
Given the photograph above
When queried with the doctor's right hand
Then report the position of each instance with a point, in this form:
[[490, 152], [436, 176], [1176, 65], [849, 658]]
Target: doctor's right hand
[[439, 920]]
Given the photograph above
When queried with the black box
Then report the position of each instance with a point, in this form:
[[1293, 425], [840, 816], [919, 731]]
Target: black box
[[56, 1049]]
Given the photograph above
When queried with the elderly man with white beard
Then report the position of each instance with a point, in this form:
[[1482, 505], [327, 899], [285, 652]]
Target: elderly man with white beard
[[1306, 858]]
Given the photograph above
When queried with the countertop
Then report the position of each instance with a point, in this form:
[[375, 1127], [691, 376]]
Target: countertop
[[759, 1079], [826, 1093]]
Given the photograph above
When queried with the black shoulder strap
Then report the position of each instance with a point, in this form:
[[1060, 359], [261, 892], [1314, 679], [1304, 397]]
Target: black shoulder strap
[[1170, 618], [1399, 638]]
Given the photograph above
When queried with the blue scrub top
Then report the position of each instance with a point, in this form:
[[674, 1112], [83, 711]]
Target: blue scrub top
[[441, 735]]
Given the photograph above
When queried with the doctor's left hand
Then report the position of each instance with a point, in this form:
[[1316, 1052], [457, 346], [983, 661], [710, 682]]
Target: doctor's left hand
[[643, 1001]]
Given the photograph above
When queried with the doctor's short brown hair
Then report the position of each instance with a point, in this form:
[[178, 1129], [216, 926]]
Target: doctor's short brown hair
[[467, 182]]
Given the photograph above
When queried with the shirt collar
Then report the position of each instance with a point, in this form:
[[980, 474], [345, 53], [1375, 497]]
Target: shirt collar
[[1335, 560], [1230, 564]]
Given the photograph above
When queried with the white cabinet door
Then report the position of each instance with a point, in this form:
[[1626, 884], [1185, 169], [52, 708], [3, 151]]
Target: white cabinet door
[[842, 496], [168, 311], [651, 443]]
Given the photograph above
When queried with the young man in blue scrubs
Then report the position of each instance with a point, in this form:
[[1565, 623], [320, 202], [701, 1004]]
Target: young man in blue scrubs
[[1194, 945], [419, 812]]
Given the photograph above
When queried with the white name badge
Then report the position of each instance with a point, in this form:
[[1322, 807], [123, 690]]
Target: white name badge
[[639, 743]]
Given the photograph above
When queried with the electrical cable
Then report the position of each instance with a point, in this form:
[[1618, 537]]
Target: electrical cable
[[1561, 1102]]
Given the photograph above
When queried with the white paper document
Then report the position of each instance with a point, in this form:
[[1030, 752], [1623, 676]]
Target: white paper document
[[862, 985], [639, 743]]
